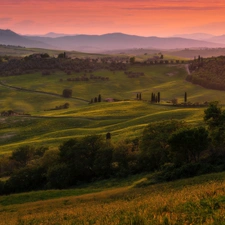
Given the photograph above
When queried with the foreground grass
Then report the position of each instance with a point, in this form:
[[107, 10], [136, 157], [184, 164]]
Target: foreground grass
[[198, 200]]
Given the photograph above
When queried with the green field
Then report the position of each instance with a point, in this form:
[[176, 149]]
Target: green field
[[125, 118]]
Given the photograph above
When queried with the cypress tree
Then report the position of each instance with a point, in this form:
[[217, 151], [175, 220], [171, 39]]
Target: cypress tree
[[152, 97], [99, 98], [185, 97], [158, 97]]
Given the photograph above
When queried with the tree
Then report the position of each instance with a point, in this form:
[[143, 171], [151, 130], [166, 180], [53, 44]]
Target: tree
[[23, 154], [213, 115], [102, 166], [108, 136], [187, 144], [99, 98], [67, 93], [132, 60], [215, 119], [185, 97], [26, 179], [152, 97], [61, 55], [45, 55], [158, 97], [66, 105], [79, 155], [58, 176], [154, 144]]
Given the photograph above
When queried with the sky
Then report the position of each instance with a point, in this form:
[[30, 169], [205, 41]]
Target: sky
[[139, 17]]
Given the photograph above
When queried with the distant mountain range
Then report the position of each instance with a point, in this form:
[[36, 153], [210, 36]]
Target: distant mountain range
[[113, 41]]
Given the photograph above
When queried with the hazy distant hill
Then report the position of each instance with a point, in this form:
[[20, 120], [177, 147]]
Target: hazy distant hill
[[52, 35], [122, 41], [98, 43], [217, 39], [8, 37], [196, 36]]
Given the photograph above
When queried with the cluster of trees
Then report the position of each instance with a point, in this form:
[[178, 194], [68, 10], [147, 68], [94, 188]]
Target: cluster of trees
[[96, 99], [154, 61], [85, 78], [131, 74], [139, 96], [155, 98], [64, 106], [208, 72], [172, 149]]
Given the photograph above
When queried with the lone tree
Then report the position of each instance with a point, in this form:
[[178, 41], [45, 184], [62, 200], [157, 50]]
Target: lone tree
[[132, 60], [158, 97], [99, 98], [185, 97], [108, 136], [67, 93]]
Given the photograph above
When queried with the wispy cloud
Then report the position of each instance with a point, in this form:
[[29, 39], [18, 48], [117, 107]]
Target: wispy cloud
[[4, 20], [174, 8]]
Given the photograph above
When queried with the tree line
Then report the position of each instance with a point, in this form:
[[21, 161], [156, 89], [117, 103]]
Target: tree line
[[47, 65], [169, 149]]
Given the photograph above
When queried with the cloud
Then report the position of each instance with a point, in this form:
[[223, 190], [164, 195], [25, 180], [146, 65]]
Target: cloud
[[5, 20], [25, 23], [216, 28], [174, 8]]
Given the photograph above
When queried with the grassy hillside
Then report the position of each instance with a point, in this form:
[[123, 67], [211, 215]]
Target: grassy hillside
[[124, 119], [198, 200]]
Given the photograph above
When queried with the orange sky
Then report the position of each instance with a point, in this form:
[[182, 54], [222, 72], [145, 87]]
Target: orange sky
[[147, 18]]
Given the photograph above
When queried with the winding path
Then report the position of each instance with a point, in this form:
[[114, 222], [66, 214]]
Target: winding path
[[40, 92], [187, 69]]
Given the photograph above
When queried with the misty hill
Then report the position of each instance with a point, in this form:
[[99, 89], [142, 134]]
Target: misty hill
[[217, 39], [52, 35], [114, 41], [196, 36], [99, 43], [8, 37]]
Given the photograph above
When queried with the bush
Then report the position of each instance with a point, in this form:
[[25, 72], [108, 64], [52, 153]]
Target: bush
[[171, 172], [26, 179]]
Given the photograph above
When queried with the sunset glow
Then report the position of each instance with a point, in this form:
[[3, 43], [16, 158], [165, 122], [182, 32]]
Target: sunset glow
[[147, 18]]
